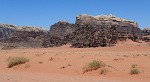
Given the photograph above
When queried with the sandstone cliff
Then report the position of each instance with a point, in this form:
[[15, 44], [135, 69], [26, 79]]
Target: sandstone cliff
[[7, 30], [107, 21], [88, 31], [61, 29], [57, 34], [12, 36], [92, 31]]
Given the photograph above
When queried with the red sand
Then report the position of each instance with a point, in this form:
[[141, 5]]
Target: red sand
[[67, 64]]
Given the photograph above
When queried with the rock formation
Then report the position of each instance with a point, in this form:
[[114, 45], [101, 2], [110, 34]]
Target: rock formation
[[102, 30], [88, 31], [61, 29], [146, 35], [92, 31], [57, 34], [125, 26], [7, 30], [21, 36], [146, 31], [87, 36]]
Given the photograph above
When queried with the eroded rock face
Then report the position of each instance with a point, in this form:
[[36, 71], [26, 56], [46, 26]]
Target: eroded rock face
[[57, 34], [102, 30], [21, 36], [146, 35], [92, 31], [146, 31], [7, 31], [98, 21], [129, 28], [87, 36], [61, 29], [88, 31]]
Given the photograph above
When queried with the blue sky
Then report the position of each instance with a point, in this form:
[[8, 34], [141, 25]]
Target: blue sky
[[44, 13]]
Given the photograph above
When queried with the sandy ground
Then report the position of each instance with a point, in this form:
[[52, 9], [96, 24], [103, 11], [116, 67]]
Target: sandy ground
[[65, 64]]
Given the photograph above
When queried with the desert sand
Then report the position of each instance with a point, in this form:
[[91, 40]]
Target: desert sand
[[65, 64]]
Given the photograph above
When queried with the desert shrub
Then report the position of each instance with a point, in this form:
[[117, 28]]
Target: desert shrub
[[103, 71], [134, 65], [62, 67], [94, 65], [51, 59], [13, 61], [134, 71]]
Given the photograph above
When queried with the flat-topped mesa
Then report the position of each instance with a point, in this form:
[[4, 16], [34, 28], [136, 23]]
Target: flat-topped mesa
[[100, 19], [127, 28], [102, 30], [22, 28]]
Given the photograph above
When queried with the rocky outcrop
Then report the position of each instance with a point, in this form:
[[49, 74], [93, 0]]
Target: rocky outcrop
[[57, 34], [61, 29], [127, 28], [102, 30], [146, 35], [7, 31], [88, 31], [21, 36], [87, 36], [92, 31], [107, 21], [146, 31]]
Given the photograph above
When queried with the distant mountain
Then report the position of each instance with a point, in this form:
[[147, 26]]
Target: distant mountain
[[12, 36], [7, 30]]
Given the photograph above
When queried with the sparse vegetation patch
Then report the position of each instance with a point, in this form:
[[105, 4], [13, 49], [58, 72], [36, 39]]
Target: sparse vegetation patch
[[13, 61], [103, 71], [134, 69], [51, 59], [134, 65], [94, 65]]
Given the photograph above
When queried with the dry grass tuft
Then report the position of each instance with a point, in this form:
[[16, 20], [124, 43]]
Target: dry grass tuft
[[103, 71], [134, 69], [94, 65], [13, 61]]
